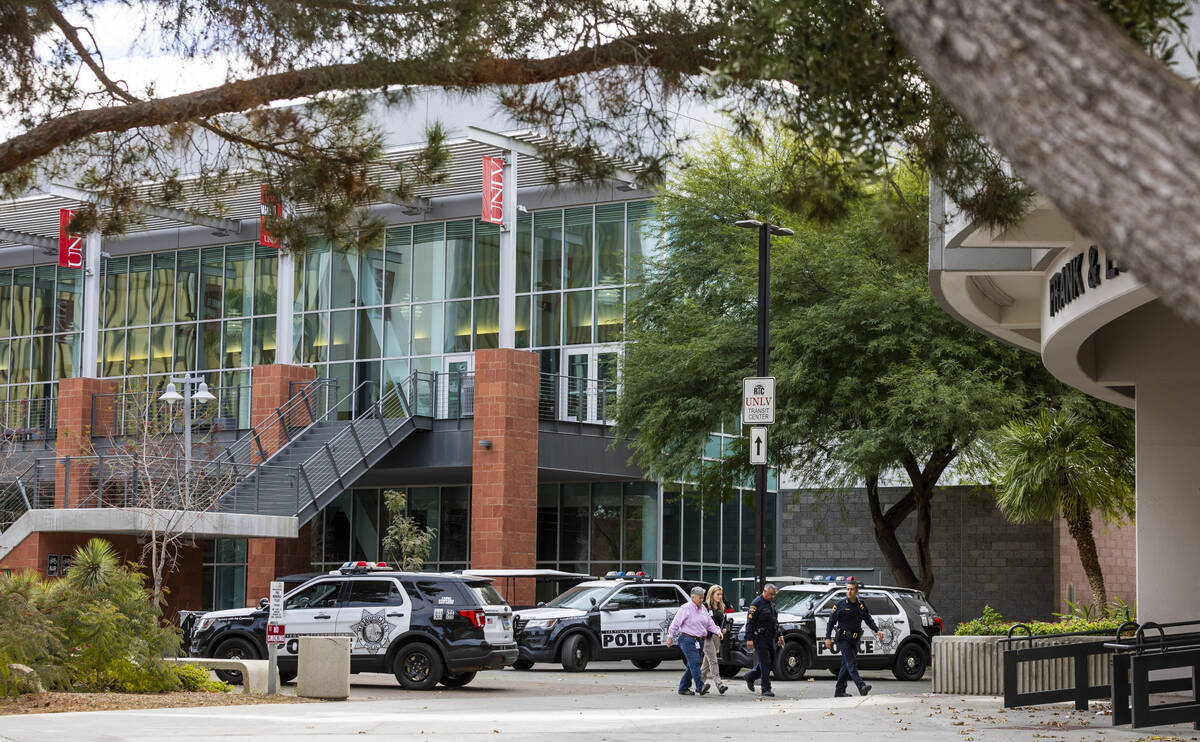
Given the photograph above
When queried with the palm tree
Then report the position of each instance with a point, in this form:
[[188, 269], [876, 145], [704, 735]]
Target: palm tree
[[1059, 462]]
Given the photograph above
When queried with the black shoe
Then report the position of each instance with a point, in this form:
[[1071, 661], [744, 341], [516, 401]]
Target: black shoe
[[865, 689], [750, 683], [722, 689], [703, 690], [841, 694], [767, 694], [687, 692]]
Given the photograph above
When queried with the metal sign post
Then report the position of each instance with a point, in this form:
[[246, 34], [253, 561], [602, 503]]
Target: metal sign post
[[275, 635]]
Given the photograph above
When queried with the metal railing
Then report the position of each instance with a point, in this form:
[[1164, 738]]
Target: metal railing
[[314, 401], [1134, 659], [576, 399], [1080, 654], [124, 413], [28, 420], [21, 493]]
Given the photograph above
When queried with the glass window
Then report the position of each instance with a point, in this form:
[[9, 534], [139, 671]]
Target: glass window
[[432, 591], [641, 522], [627, 598], [729, 531], [373, 593], [395, 373], [712, 533], [747, 509], [458, 259], [880, 605], [3, 368], [672, 523], [316, 337], [547, 522], [115, 274], [487, 259], [187, 282], [140, 267], [160, 348], [573, 544], [341, 336], [427, 329], [316, 275], [610, 315], [398, 286], [185, 348], [396, 331], [66, 356], [372, 276], [370, 333], [237, 344], [524, 251], [43, 298], [264, 341], [547, 250], [547, 317], [641, 242], [162, 305], [458, 326], [579, 318], [43, 358], [610, 245], [691, 531], [455, 524], [68, 307], [343, 272], [239, 281], [579, 247], [6, 303], [606, 521], [266, 280], [321, 595], [429, 262], [522, 320], [487, 323], [209, 351], [137, 351], [212, 282], [663, 596], [335, 533], [423, 508]]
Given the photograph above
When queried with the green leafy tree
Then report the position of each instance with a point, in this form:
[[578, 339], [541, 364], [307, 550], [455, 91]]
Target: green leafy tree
[[405, 542], [872, 376], [1059, 463]]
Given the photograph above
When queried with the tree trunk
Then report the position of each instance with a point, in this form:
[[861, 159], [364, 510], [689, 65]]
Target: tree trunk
[[885, 532], [1109, 135], [924, 529], [1080, 528]]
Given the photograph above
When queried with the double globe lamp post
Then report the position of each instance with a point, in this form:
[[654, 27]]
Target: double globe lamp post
[[201, 395]]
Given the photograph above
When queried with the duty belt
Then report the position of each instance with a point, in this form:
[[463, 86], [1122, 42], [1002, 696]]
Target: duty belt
[[842, 633]]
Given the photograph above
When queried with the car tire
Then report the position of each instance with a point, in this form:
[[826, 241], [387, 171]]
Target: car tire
[[234, 648], [457, 680], [791, 662], [911, 662], [575, 653], [418, 666], [286, 676], [646, 664], [523, 665], [728, 671]]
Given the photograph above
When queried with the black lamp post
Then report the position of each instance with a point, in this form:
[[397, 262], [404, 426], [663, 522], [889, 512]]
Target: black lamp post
[[765, 230]]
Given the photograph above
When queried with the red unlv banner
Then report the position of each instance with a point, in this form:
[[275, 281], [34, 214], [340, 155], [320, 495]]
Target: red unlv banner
[[70, 246], [269, 205], [493, 190]]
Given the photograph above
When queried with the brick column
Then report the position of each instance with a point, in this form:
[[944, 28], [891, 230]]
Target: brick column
[[504, 476], [76, 428], [268, 558]]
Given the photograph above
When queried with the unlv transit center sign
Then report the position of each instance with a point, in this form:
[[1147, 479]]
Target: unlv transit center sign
[[758, 400]]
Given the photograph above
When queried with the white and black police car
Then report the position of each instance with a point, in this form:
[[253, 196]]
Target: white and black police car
[[425, 627], [908, 622], [625, 616]]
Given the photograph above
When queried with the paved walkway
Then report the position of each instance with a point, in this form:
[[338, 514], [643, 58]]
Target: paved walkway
[[612, 702]]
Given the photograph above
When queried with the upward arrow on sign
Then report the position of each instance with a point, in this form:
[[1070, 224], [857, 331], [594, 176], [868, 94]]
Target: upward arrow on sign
[[758, 445]]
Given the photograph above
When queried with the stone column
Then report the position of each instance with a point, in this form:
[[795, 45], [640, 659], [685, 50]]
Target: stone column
[[76, 429], [504, 475]]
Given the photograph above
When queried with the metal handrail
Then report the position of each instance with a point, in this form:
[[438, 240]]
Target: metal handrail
[[243, 449], [113, 413], [28, 419], [570, 399]]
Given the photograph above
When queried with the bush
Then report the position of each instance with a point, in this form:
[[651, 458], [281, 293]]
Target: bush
[[196, 678], [991, 623], [27, 637]]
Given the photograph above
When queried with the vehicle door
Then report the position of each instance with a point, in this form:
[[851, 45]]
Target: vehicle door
[[623, 623], [662, 603], [890, 619], [373, 613], [311, 611], [821, 621]]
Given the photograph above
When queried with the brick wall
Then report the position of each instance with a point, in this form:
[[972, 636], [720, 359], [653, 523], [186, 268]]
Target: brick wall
[[1117, 548], [75, 431], [978, 557]]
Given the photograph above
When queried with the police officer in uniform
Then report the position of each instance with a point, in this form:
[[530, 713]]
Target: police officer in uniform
[[848, 616], [762, 636]]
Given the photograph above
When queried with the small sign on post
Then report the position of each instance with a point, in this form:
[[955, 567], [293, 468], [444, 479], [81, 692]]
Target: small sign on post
[[276, 603], [758, 400], [275, 634], [758, 446]]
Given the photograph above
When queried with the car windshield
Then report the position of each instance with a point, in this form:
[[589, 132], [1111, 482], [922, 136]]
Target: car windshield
[[580, 597], [796, 601]]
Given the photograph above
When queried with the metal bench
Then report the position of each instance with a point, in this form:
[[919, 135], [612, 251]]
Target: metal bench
[[254, 672]]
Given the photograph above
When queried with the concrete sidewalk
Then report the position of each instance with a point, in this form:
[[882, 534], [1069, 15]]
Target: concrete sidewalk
[[612, 704]]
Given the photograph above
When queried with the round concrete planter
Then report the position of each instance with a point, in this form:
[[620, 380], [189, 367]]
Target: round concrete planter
[[974, 665]]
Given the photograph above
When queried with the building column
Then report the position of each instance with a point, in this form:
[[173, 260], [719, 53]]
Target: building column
[[90, 352], [504, 472], [76, 429], [285, 290], [268, 558], [508, 256]]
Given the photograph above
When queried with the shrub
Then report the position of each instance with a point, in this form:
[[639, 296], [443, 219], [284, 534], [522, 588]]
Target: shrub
[[196, 678], [27, 636], [991, 623]]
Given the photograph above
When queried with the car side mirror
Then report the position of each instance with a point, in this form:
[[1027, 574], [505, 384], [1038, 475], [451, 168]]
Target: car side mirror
[[264, 603], [541, 604], [593, 602]]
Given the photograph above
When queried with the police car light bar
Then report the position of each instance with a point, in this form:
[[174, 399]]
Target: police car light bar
[[625, 575], [361, 566]]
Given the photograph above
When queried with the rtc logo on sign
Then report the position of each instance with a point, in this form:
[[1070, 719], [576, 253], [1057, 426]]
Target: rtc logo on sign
[[631, 639]]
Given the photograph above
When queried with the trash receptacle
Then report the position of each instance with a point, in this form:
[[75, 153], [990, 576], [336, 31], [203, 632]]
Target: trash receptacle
[[324, 667]]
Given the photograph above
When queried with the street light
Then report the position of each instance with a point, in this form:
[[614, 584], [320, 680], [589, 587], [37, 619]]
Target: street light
[[765, 230], [172, 395]]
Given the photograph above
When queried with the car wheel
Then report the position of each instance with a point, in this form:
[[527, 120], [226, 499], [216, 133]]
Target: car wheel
[[286, 676], [911, 662], [575, 653], [792, 662], [234, 649], [646, 664], [417, 666], [457, 680], [728, 671], [522, 665]]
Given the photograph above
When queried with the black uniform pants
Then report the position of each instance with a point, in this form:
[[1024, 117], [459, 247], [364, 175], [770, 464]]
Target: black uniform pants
[[849, 649], [764, 651]]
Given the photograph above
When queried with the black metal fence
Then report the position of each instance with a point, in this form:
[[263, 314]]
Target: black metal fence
[[1040, 649], [1154, 652]]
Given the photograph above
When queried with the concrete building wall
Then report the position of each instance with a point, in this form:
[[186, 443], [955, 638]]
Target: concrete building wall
[[1117, 547], [979, 558]]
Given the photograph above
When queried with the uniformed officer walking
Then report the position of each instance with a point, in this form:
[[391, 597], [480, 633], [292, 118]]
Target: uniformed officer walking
[[848, 616], [762, 636]]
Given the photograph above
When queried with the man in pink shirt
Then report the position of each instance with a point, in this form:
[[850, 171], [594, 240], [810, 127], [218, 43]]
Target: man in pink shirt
[[692, 625]]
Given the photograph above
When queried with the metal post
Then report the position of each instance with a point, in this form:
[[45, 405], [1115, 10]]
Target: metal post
[[89, 355], [508, 256], [187, 426], [284, 305], [760, 470]]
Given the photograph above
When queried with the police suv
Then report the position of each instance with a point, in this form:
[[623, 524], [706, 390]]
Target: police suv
[[908, 622], [622, 617], [425, 627]]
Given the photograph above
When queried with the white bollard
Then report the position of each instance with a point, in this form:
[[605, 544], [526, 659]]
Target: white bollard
[[324, 667]]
